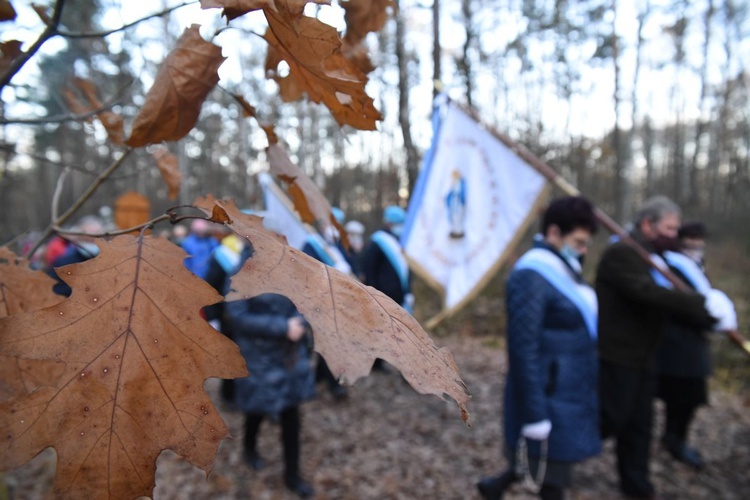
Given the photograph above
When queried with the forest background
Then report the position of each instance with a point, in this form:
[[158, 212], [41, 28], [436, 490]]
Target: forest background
[[624, 99]]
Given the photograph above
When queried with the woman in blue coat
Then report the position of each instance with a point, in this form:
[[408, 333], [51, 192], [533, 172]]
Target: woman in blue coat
[[272, 336], [551, 408]]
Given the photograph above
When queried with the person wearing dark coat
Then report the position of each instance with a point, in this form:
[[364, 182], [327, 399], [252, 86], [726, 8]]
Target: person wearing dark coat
[[633, 310], [683, 360], [383, 263], [272, 336], [81, 249], [225, 261], [551, 413]]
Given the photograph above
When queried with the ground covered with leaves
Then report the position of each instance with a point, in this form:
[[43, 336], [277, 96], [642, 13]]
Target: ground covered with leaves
[[387, 441]]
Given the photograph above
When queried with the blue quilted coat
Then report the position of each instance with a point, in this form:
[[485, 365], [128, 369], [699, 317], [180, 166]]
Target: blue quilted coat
[[280, 370], [553, 369]]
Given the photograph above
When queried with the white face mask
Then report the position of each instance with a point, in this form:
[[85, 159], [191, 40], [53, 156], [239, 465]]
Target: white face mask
[[696, 254], [397, 229], [357, 242]]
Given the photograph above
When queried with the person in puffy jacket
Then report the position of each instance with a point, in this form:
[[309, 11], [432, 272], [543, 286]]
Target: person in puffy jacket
[[273, 338], [551, 409]]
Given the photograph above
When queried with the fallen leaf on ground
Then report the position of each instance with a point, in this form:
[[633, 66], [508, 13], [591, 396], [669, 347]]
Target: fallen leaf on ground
[[136, 353]]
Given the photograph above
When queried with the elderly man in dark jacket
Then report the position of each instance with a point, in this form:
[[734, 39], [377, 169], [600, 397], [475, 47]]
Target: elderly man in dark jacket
[[633, 309]]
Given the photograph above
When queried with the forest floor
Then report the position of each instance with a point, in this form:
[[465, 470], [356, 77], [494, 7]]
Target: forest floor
[[387, 441]]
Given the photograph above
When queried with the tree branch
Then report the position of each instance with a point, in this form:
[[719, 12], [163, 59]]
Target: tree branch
[[70, 116], [50, 31], [85, 196], [102, 34], [114, 233]]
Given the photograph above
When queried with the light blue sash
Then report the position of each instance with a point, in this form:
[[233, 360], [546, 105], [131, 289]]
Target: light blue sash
[[556, 273], [317, 243], [227, 259], [690, 270], [392, 251]]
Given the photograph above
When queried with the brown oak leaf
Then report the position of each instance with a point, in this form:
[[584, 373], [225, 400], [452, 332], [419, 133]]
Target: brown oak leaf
[[112, 122], [182, 83], [363, 17], [359, 55], [8, 51], [7, 12], [312, 206], [170, 171], [23, 289], [353, 324], [136, 353], [236, 8], [41, 11], [312, 49]]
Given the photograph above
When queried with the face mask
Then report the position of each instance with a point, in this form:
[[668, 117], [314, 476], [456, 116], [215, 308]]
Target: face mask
[[356, 242], [570, 253], [665, 243], [696, 255], [89, 249], [397, 229]]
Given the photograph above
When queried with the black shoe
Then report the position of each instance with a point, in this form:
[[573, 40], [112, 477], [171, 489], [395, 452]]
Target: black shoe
[[299, 487], [253, 460], [493, 488], [684, 453], [339, 392]]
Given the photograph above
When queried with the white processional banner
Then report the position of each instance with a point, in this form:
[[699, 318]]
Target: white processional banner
[[280, 215], [473, 199]]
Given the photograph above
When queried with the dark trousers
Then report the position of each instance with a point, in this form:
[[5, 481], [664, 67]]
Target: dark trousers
[[290, 431], [625, 396], [682, 396]]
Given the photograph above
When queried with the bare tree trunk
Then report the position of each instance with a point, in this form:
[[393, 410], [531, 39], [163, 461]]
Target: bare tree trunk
[[436, 50], [412, 158], [621, 178], [629, 188], [464, 63]]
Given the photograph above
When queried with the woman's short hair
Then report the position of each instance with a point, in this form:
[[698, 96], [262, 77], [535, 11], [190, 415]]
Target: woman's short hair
[[569, 214]]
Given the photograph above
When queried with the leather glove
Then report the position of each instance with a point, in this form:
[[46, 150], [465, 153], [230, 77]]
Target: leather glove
[[538, 431]]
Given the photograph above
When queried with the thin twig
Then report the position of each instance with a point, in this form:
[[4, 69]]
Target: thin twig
[[85, 196], [14, 239], [128, 230], [50, 31], [58, 191], [68, 117], [102, 34], [77, 168]]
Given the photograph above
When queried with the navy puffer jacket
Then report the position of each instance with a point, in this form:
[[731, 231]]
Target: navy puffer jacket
[[553, 369], [280, 370]]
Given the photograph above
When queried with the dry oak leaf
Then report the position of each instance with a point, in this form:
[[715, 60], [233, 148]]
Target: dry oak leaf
[[112, 122], [313, 51], [8, 51], [41, 11], [170, 171], [136, 355], [7, 12], [23, 289], [182, 83], [312, 206], [236, 8], [353, 324], [363, 17]]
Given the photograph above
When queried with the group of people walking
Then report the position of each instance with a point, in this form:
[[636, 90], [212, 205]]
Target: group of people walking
[[585, 363]]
